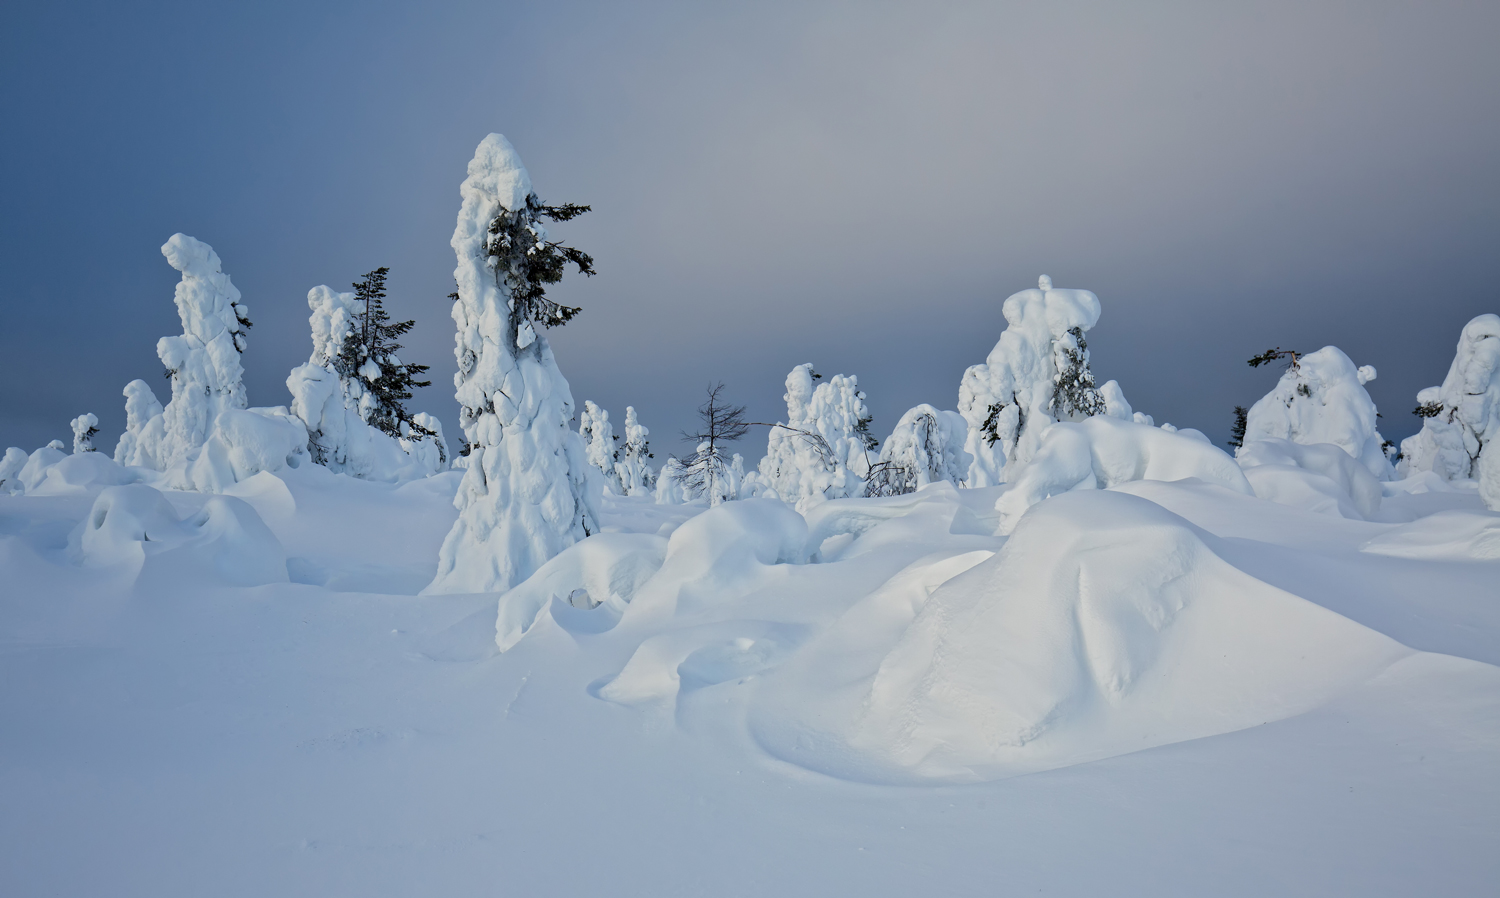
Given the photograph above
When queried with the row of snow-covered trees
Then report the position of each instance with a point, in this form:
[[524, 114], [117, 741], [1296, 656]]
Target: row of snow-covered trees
[[533, 486]]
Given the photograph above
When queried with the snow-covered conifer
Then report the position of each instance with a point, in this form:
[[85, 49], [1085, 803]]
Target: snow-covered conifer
[[1320, 398], [926, 446], [635, 473], [669, 487], [1461, 418], [345, 412], [528, 491], [10, 469], [203, 364], [822, 452], [85, 427], [1037, 373], [142, 410], [599, 447]]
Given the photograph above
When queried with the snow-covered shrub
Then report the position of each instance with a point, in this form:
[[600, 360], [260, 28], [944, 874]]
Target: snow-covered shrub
[[1037, 373], [141, 409], [636, 475], [1318, 477], [10, 470], [1104, 451], [669, 486], [1461, 418], [1321, 398], [334, 402], [528, 491], [203, 362], [823, 450], [598, 437], [927, 446], [85, 427]]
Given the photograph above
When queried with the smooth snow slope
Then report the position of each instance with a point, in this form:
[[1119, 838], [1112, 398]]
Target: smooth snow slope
[[1217, 695]]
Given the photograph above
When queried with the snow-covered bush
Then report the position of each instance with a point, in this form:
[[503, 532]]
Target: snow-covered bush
[[1037, 373], [203, 362], [141, 409], [241, 444], [1104, 451], [85, 427], [335, 402], [598, 437], [927, 446], [528, 491], [10, 470], [1461, 418], [636, 475], [669, 486], [1321, 398], [823, 450]]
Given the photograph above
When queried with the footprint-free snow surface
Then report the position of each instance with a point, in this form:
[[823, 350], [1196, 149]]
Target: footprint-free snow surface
[[1155, 689]]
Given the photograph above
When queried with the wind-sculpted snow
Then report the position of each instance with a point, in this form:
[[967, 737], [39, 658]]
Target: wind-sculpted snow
[[1319, 477], [135, 526], [1102, 452]]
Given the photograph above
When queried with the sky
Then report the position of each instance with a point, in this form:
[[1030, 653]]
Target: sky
[[856, 185]]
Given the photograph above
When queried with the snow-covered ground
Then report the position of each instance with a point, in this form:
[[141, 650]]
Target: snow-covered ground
[[1159, 688]]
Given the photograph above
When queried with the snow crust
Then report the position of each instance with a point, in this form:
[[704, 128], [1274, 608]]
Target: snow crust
[[1454, 442], [528, 491], [1322, 399]]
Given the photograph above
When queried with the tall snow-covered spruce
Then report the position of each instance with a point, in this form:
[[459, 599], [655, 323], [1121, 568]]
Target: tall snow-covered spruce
[[1038, 373], [528, 491], [637, 476]]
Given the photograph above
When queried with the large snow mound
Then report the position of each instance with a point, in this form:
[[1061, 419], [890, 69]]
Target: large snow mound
[[1104, 625], [1104, 451], [1319, 477]]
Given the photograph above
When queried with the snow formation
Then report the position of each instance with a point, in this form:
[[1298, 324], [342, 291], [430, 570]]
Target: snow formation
[[636, 475], [823, 451], [1037, 373], [141, 408], [1321, 398], [1319, 477], [1462, 416], [335, 409], [528, 491]]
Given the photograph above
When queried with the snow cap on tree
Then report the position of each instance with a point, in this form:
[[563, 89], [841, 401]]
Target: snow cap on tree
[[822, 452], [1461, 418], [84, 429], [1321, 398], [528, 491], [1037, 373]]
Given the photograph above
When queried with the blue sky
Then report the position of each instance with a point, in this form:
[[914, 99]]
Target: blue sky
[[856, 185]]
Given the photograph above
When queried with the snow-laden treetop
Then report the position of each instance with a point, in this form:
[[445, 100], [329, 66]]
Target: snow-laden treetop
[[496, 179]]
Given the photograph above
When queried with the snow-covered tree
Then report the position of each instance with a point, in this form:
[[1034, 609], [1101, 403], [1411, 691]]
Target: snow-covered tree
[[203, 363], [599, 447], [141, 409], [1320, 398], [669, 487], [709, 472], [528, 491], [1461, 418], [926, 446], [636, 475], [1037, 373], [822, 452], [346, 413], [85, 427]]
